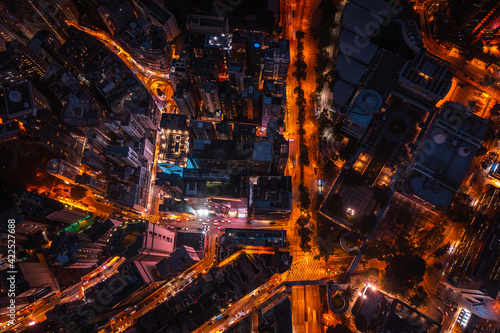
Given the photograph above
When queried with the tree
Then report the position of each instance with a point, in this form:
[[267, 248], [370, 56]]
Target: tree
[[495, 110], [304, 199], [481, 151], [78, 192], [339, 328], [418, 297], [366, 224], [300, 34], [305, 238], [381, 194], [349, 292], [441, 251], [438, 267], [403, 273], [460, 210]]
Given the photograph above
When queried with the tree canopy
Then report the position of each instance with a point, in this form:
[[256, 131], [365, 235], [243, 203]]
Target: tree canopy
[[403, 273]]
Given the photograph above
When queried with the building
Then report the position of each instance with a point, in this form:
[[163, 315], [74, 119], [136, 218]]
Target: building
[[271, 198], [147, 44], [74, 250], [236, 73], [173, 121], [178, 71], [158, 15], [376, 312], [49, 132], [203, 24], [28, 63], [115, 14], [258, 237], [277, 60], [94, 161], [9, 74], [125, 126], [360, 116], [230, 101], [426, 76], [254, 156], [180, 260], [273, 101], [22, 99], [91, 183], [40, 206], [218, 46], [33, 279], [482, 24], [184, 97], [120, 88], [81, 109], [123, 155], [45, 45], [142, 243], [230, 188], [433, 177], [209, 93], [477, 277], [63, 170], [174, 147]]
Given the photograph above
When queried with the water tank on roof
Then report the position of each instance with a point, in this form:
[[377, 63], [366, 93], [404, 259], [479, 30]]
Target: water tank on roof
[[368, 101], [463, 151], [15, 96], [440, 138]]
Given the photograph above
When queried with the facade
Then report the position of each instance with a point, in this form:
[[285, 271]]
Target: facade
[[273, 101], [115, 14], [185, 99]]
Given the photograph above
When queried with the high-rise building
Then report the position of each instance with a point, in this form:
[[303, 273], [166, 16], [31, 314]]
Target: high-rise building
[[271, 198], [158, 15], [9, 74], [33, 279], [147, 44], [434, 177], [74, 250], [23, 99], [184, 97], [180, 260], [63, 170], [123, 155], [277, 60], [209, 187], [203, 24], [143, 244], [125, 126], [273, 101], [115, 14], [52, 134]]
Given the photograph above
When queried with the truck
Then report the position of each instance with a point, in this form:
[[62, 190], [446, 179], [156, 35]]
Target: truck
[[219, 317]]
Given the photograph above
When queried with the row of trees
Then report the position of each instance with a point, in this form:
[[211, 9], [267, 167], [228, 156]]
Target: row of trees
[[300, 74]]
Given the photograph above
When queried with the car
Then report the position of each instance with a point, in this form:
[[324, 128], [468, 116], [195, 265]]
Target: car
[[178, 228], [171, 228], [216, 223], [272, 222], [185, 228], [228, 221], [201, 220], [200, 229], [208, 220], [204, 223], [178, 220]]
